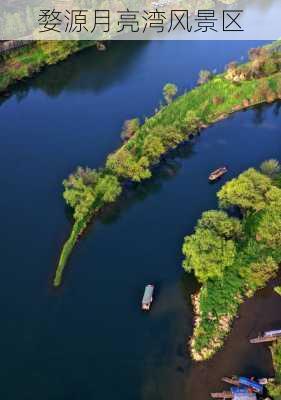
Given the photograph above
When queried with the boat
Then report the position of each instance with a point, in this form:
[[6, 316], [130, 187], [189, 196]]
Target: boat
[[232, 381], [241, 382], [268, 336], [222, 395], [251, 384], [147, 297], [218, 173]]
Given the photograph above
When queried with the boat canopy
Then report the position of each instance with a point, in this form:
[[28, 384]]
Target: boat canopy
[[273, 333], [244, 396], [252, 384], [239, 390], [148, 292]]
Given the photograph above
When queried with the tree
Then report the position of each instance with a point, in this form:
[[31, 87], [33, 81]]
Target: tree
[[248, 191], [269, 229], [264, 91], [169, 135], [125, 165], [211, 248], [233, 72], [107, 188], [129, 128], [220, 223], [153, 148], [270, 168], [191, 120], [260, 272], [204, 76], [207, 254], [273, 197], [87, 190], [169, 92]]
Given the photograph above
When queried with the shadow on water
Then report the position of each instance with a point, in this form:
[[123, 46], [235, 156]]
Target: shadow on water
[[166, 170], [89, 71], [180, 376]]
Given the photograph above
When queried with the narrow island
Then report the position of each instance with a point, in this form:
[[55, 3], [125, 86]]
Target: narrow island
[[88, 191], [233, 252]]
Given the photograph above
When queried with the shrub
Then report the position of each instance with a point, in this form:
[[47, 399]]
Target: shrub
[[129, 128], [204, 76], [270, 168], [169, 92]]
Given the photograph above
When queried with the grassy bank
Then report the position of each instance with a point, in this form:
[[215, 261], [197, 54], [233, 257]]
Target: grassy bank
[[24, 62], [232, 257], [241, 87], [274, 389]]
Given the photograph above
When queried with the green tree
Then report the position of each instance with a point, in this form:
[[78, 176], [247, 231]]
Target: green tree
[[248, 191], [169, 92], [192, 120], [260, 272], [220, 223], [153, 148], [207, 254], [269, 228], [270, 168], [169, 135], [87, 190], [127, 166], [211, 248]]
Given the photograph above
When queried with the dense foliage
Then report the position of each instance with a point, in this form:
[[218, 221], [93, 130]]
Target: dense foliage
[[263, 61], [248, 192], [233, 257], [211, 248], [274, 388], [173, 124]]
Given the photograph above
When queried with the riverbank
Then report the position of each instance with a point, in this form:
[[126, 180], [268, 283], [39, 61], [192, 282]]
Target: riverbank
[[239, 356], [233, 257], [274, 388], [171, 125], [26, 61]]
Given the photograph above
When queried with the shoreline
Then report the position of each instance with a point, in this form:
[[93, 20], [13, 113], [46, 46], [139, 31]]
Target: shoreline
[[177, 122], [238, 356], [77, 234], [25, 62]]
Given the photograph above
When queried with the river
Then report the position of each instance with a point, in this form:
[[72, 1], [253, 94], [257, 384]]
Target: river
[[89, 339]]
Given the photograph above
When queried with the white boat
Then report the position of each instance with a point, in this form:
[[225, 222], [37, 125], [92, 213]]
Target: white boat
[[147, 297]]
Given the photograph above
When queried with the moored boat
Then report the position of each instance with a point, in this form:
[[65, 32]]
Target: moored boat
[[222, 395], [147, 297], [268, 336], [218, 173]]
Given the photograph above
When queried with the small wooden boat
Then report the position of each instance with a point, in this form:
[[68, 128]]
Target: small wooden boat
[[218, 173], [222, 395], [269, 336], [147, 297], [232, 381]]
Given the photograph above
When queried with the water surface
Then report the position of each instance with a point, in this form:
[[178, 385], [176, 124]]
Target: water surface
[[89, 339]]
